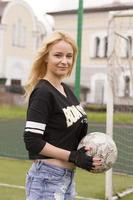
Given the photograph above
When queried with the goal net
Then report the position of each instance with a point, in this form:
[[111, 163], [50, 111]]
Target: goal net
[[120, 101]]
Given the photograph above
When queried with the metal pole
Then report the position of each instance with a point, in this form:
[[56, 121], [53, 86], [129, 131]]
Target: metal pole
[[110, 107], [79, 43]]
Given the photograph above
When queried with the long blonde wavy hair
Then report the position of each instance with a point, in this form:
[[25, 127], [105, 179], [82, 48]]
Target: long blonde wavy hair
[[39, 66]]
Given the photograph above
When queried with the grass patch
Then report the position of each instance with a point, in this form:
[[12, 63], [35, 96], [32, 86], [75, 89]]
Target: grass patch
[[12, 112], [96, 117], [124, 118], [11, 194], [13, 172], [119, 117]]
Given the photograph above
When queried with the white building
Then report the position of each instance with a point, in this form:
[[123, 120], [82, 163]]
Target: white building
[[20, 35], [94, 50]]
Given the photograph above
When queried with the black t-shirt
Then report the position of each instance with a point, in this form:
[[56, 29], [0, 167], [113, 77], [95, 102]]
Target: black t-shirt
[[53, 118]]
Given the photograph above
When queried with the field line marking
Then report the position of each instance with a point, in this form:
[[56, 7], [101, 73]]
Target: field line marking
[[22, 187], [86, 198], [12, 186]]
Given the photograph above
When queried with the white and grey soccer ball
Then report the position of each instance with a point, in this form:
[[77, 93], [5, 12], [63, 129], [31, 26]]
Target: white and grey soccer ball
[[103, 146]]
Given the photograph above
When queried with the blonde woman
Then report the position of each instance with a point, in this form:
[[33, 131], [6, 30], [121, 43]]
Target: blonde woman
[[55, 123]]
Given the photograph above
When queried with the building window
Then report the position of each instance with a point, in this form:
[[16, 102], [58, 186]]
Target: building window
[[97, 43], [106, 46], [99, 46], [99, 91], [19, 34], [14, 34], [39, 40], [16, 82], [127, 86], [15, 86], [23, 36], [129, 46]]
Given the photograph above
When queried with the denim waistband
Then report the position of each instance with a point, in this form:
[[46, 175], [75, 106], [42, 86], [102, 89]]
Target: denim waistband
[[42, 166]]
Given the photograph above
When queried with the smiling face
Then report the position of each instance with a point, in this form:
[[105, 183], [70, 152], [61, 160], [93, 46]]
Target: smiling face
[[60, 59]]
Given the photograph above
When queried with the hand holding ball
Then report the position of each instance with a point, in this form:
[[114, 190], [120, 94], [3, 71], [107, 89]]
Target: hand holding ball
[[100, 145]]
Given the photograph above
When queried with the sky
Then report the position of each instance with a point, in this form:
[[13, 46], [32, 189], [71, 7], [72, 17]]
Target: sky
[[54, 5]]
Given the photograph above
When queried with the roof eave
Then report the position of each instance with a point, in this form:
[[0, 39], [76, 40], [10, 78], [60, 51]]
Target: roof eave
[[95, 9]]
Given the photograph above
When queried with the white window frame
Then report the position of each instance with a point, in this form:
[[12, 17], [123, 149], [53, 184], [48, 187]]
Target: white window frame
[[98, 50]]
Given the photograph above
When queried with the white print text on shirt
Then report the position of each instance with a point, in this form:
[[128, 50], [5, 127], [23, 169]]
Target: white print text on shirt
[[73, 114]]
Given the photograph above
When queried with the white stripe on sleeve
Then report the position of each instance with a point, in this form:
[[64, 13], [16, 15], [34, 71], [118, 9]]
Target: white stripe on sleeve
[[34, 131], [35, 125]]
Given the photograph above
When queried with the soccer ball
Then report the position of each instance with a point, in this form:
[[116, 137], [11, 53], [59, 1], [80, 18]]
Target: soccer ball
[[103, 146]]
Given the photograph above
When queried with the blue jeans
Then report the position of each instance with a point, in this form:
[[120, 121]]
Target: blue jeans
[[49, 182]]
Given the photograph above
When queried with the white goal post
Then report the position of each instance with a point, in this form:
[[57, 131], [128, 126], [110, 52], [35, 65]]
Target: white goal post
[[119, 62]]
